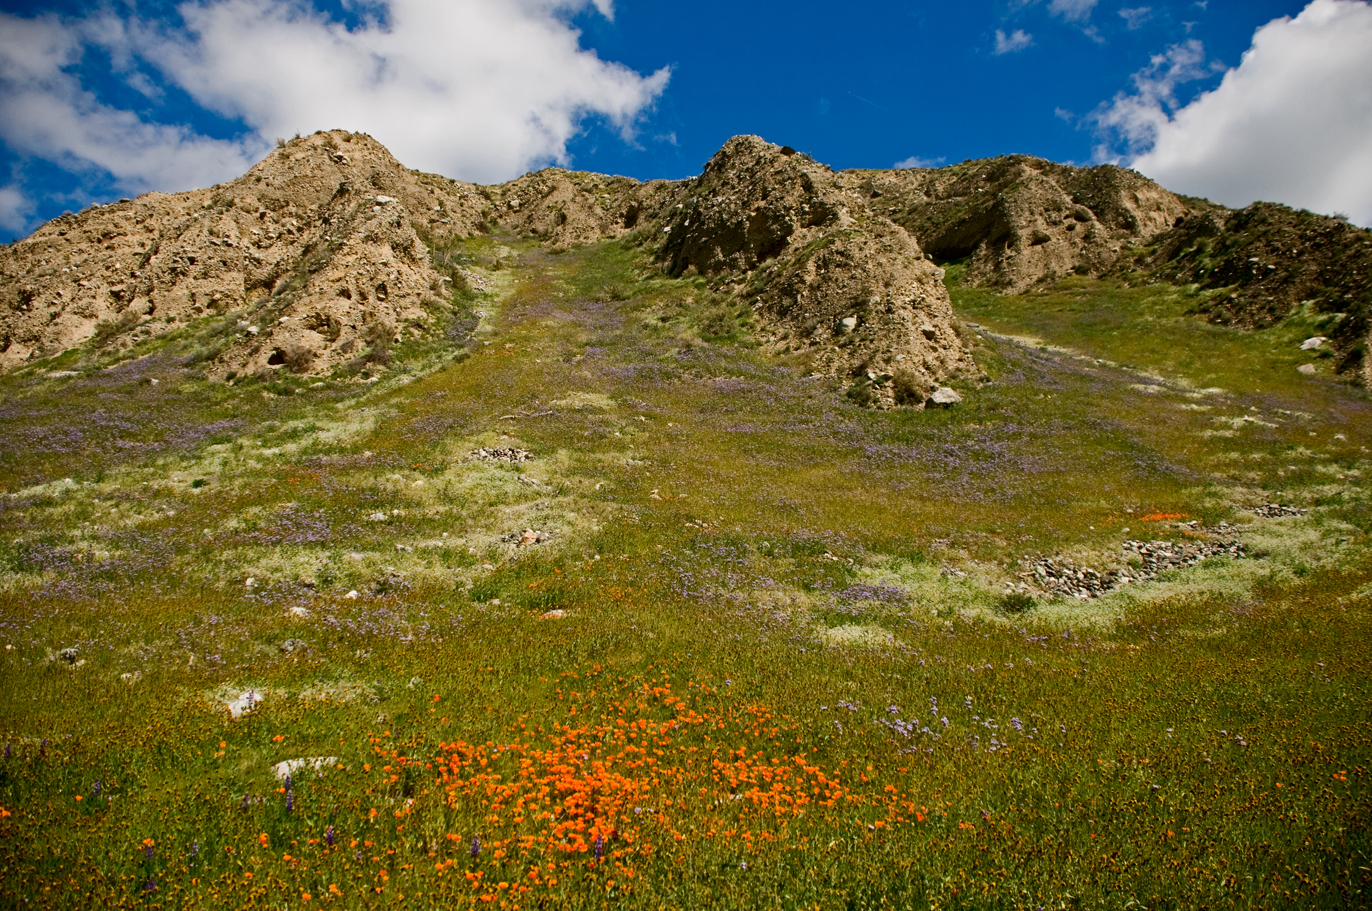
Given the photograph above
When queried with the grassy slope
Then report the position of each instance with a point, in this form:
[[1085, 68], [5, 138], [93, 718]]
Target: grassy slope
[[764, 630]]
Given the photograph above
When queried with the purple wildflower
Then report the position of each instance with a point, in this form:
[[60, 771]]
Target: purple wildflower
[[1017, 724], [476, 845], [147, 851], [600, 847], [244, 804], [328, 836], [151, 884], [95, 789], [290, 800], [7, 751]]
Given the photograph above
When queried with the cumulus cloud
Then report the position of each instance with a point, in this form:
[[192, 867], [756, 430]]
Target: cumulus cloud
[[1292, 123], [478, 89], [1017, 40], [46, 113], [1137, 119]]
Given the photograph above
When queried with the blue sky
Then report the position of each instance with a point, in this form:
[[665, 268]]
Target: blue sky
[[129, 96]]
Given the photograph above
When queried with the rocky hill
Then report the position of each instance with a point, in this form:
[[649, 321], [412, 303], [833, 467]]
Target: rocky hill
[[1019, 221], [324, 253]]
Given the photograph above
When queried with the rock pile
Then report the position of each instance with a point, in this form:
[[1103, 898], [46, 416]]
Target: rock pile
[[1277, 511], [1143, 560], [503, 454]]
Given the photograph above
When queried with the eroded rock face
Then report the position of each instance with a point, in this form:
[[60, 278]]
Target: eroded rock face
[[824, 274], [1021, 219], [318, 247]]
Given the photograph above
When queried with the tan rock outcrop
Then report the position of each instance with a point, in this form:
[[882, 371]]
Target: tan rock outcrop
[[1021, 220], [318, 247], [823, 273]]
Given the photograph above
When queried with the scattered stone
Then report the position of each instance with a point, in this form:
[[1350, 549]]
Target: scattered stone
[[943, 397], [291, 645], [378, 517], [1277, 511], [353, 595], [554, 615], [1307, 369], [245, 703], [525, 538], [70, 655], [300, 613], [250, 583], [1312, 344], [504, 454], [414, 682], [131, 677], [283, 770], [847, 324]]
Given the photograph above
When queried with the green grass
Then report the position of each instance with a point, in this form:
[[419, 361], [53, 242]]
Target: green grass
[[767, 595]]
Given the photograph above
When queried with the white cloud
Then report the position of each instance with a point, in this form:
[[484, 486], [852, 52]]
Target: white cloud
[[1017, 40], [914, 161], [1292, 123], [1073, 10], [1135, 17], [478, 89], [15, 209], [1138, 119], [46, 113]]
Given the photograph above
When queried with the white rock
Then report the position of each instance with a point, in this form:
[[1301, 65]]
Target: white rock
[[352, 594], [944, 397], [291, 766], [1307, 369], [1311, 344], [384, 199], [377, 517], [244, 703], [250, 583], [847, 324], [302, 612]]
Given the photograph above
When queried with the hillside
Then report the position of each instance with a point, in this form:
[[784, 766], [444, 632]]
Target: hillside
[[627, 576]]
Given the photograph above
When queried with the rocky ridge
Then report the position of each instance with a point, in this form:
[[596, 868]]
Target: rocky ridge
[[323, 255]]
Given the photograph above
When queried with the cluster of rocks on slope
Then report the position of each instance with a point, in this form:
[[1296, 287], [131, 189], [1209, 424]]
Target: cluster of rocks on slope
[[1141, 561]]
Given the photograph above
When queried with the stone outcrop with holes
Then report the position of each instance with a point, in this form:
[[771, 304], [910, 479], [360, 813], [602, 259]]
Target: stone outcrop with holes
[[318, 252], [825, 276]]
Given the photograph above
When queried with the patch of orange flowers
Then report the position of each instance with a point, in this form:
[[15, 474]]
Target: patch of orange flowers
[[1164, 516], [638, 768]]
